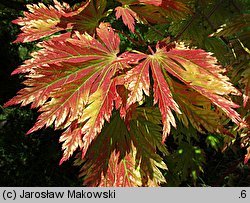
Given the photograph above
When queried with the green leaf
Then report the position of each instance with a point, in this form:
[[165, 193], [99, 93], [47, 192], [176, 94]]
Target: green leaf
[[118, 157], [187, 161]]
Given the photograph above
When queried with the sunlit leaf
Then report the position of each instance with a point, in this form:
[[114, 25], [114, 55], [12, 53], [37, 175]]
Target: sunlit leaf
[[41, 21], [73, 82], [197, 69], [128, 16]]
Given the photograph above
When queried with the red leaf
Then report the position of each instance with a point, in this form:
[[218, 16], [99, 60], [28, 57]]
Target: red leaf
[[121, 173], [72, 139], [195, 68], [128, 17], [41, 21], [138, 80], [245, 80], [73, 92], [157, 11], [73, 80], [83, 48], [198, 69], [163, 95], [247, 156]]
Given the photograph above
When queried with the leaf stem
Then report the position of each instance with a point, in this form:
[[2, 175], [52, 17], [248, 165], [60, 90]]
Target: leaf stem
[[140, 38], [151, 50]]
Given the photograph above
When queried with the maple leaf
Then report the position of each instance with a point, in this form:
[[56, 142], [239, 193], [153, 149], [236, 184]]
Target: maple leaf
[[118, 157], [127, 15], [245, 80], [83, 85], [247, 156], [74, 72], [110, 160], [198, 110], [199, 70], [147, 138], [154, 11], [41, 21], [137, 81], [195, 68], [234, 27]]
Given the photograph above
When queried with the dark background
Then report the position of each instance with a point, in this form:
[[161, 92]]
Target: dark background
[[25, 160]]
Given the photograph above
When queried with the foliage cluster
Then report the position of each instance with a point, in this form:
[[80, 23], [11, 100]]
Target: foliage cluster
[[134, 87]]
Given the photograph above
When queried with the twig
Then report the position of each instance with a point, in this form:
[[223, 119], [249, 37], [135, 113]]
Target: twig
[[185, 28], [214, 9], [235, 6], [207, 18], [128, 37], [140, 38], [157, 31]]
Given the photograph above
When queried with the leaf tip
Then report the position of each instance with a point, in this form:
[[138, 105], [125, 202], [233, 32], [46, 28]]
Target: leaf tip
[[247, 156], [30, 131], [62, 160]]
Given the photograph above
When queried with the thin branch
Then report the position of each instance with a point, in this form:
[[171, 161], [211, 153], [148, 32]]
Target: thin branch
[[128, 37], [209, 22], [214, 9], [140, 38], [157, 31], [214, 29], [207, 18], [235, 6], [185, 28]]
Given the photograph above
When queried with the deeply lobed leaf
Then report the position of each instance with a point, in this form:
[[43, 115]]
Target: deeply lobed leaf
[[150, 11], [245, 80], [128, 17], [73, 72], [76, 79], [197, 69], [41, 21], [198, 111], [118, 157]]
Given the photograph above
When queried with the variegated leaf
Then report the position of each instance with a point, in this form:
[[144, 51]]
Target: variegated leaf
[[41, 21], [73, 82]]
